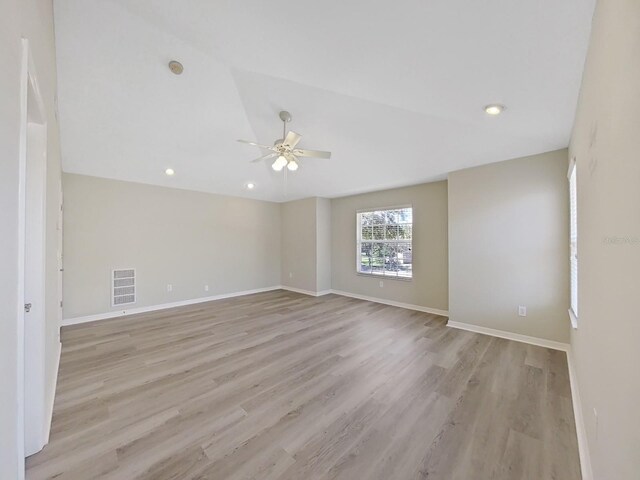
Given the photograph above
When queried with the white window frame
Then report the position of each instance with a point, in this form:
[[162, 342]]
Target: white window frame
[[573, 243], [359, 242]]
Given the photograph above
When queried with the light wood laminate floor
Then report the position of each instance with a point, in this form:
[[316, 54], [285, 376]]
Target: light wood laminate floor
[[280, 385]]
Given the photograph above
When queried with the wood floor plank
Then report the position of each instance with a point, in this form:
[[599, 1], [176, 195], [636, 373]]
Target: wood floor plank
[[283, 386]]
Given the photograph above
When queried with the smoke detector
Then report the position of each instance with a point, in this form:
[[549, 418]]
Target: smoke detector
[[176, 67]]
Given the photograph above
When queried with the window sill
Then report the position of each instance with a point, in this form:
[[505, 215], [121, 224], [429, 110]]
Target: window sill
[[574, 319], [384, 277]]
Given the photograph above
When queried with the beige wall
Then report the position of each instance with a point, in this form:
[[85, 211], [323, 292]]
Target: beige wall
[[178, 237], [606, 145], [323, 244], [306, 244], [429, 287], [299, 268], [508, 246], [32, 20]]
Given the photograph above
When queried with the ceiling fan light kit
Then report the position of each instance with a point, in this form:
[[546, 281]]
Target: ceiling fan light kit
[[279, 164], [284, 150]]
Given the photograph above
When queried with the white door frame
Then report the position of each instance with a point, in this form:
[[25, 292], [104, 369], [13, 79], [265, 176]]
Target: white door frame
[[32, 111]]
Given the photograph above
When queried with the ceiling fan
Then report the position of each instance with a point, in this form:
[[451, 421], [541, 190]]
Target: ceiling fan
[[284, 149]]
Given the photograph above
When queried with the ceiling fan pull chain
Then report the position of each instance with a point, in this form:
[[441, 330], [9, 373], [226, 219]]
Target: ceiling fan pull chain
[[285, 183]]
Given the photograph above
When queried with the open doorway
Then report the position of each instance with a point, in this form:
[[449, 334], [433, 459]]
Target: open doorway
[[32, 414]]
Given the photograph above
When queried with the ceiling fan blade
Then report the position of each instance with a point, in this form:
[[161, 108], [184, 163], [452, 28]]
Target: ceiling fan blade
[[268, 147], [265, 157], [311, 153], [292, 139]]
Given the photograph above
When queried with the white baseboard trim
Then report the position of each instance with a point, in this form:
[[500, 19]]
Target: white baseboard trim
[[52, 396], [393, 303], [152, 308], [305, 292], [540, 342], [581, 432]]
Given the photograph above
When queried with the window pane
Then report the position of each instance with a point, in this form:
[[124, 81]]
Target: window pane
[[377, 218], [371, 258], [366, 259], [378, 232], [366, 218], [367, 233], [404, 252], [405, 215], [377, 253], [391, 259], [392, 216], [392, 232], [405, 259], [404, 232]]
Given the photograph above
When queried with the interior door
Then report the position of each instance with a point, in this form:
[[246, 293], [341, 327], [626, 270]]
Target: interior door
[[60, 256], [34, 222]]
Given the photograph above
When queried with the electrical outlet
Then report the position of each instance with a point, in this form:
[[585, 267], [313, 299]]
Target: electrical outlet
[[381, 284], [290, 274], [169, 287], [522, 311], [206, 288]]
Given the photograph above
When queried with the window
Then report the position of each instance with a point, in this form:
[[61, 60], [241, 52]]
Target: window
[[573, 242], [384, 242]]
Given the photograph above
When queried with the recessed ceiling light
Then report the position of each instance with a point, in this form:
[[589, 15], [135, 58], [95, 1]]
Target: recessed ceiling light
[[169, 171], [251, 186], [494, 109]]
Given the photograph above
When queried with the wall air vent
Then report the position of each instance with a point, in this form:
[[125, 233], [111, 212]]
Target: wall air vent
[[123, 287]]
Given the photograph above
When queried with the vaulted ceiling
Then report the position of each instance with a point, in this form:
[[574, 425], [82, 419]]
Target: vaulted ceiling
[[395, 90]]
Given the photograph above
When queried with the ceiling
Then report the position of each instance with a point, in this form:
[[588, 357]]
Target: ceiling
[[395, 90]]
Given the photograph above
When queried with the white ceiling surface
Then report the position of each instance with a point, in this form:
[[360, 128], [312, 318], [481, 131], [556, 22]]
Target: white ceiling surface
[[395, 90]]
